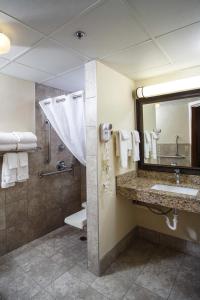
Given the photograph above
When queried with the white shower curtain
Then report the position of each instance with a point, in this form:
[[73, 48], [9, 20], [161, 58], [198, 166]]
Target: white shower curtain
[[66, 114]]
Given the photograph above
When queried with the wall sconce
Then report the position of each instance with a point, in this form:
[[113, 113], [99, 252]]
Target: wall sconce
[[4, 43], [169, 87]]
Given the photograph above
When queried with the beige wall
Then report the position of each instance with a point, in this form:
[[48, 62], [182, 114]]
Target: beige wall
[[116, 106], [189, 223], [17, 99]]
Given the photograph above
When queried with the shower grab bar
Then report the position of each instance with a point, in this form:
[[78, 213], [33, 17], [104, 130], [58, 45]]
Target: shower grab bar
[[41, 174], [48, 160]]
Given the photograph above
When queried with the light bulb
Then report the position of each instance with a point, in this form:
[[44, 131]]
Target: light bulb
[[4, 43]]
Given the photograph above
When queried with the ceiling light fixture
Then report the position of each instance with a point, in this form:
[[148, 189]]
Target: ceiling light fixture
[[169, 87], [4, 43], [80, 34]]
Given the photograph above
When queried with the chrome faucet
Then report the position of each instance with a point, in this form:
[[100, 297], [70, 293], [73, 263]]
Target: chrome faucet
[[177, 175]]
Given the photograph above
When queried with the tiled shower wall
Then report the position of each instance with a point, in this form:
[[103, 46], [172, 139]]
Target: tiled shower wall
[[33, 208]]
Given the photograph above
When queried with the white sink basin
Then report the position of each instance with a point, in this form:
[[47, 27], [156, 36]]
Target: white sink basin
[[175, 189]]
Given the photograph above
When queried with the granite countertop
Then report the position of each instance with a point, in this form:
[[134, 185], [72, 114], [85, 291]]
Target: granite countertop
[[139, 188]]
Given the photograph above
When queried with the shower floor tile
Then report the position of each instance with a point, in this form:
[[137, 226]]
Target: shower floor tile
[[55, 267]]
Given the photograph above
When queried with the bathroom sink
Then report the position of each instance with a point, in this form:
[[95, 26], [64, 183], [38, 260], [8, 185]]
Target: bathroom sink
[[175, 189]]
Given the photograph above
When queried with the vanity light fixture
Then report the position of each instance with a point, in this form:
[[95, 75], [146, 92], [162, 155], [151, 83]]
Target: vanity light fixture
[[4, 43], [169, 87]]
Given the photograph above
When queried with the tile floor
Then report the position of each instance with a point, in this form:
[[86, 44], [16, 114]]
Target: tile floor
[[55, 267]]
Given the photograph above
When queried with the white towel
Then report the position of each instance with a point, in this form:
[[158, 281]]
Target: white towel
[[9, 172], [25, 137], [117, 144], [123, 148], [7, 138], [154, 138], [136, 143], [22, 169], [124, 135], [147, 144], [12, 161], [8, 147], [130, 144], [30, 146]]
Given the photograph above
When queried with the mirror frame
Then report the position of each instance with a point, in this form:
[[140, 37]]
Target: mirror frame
[[139, 117]]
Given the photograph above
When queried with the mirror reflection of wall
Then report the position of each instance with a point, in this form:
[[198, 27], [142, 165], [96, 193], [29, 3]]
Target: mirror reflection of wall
[[173, 123]]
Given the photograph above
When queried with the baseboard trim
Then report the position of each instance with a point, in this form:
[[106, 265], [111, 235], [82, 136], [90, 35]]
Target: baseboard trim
[[121, 246], [185, 246]]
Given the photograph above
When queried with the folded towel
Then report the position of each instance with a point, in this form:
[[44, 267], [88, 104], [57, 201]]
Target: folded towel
[[9, 175], [7, 138], [117, 144], [22, 169], [130, 144], [123, 148], [26, 137], [30, 146], [136, 142], [8, 147]]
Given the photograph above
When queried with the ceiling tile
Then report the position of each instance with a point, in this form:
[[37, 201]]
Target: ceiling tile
[[183, 44], [50, 57], [45, 15], [21, 37], [162, 16], [71, 82], [24, 72], [137, 58], [108, 27], [175, 68]]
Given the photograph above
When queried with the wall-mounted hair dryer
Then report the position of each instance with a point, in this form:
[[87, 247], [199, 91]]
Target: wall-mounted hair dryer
[[105, 132]]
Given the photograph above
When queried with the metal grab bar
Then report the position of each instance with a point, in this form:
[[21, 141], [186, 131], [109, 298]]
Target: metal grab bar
[[48, 160], [43, 174]]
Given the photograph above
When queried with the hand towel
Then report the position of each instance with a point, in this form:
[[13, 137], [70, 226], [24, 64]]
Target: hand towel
[[147, 144], [9, 174], [12, 161], [117, 144], [22, 169], [25, 137], [136, 143], [123, 148], [124, 134], [130, 144], [154, 138], [30, 146], [7, 138]]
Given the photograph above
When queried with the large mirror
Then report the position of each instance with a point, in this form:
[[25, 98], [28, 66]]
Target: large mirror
[[170, 131]]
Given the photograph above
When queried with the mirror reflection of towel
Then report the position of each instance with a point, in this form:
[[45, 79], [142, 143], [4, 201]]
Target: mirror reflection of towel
[[154, 138], [147, 144]]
